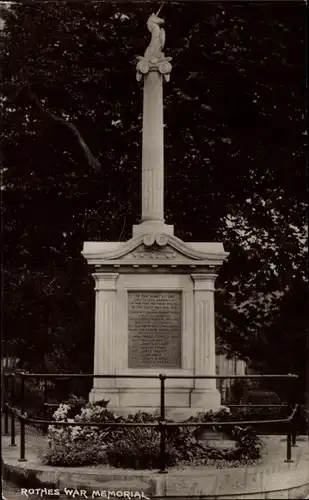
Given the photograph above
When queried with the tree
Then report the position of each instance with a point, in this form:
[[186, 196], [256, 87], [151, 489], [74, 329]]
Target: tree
[[234, 147]]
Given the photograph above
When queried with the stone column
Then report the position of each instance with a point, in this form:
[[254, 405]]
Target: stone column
[[153, 71], [105, 330], [205, 393], [152, 151]]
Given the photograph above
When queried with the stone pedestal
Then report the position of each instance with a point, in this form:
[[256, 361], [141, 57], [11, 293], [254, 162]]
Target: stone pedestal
[[155, 314]]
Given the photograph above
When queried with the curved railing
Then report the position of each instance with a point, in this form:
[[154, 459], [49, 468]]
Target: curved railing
[[161, 424]]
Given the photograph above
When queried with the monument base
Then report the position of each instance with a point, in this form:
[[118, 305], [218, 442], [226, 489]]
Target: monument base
[[180, 404]]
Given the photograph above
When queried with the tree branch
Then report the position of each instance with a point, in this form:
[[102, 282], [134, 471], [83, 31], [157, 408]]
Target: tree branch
[[48, 115]]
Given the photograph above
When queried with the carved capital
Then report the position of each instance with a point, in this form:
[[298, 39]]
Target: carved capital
[[105, 281], [161, 64], [204, 282]]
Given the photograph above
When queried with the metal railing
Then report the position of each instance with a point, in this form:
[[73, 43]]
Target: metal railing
[[162, 425]]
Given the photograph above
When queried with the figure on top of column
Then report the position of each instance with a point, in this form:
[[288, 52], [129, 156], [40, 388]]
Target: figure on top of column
[[154, 58]]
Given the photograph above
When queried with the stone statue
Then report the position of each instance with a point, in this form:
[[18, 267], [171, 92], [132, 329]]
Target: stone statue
[[157, 38], [154, 59]]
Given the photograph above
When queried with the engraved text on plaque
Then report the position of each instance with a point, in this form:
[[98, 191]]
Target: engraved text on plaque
[[154, 329]]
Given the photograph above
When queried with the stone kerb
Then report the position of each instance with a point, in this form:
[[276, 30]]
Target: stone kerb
[[268, 481]]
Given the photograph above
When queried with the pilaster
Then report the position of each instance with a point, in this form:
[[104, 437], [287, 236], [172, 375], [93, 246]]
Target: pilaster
[[204, 340], [105, 328]]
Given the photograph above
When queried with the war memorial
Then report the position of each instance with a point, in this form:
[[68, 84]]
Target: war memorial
[[155, 293]]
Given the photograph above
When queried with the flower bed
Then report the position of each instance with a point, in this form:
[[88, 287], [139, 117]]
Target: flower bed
[[139, 447]]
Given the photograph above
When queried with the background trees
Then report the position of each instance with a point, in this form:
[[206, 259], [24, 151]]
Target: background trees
[[234, 165]]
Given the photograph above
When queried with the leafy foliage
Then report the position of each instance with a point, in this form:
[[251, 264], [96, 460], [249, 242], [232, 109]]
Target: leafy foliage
[[74, 454], [137, 447], [234, 146]]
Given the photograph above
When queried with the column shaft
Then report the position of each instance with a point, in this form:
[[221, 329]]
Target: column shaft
[[152, 152]]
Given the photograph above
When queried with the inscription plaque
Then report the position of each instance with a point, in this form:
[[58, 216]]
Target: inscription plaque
[[154, 329]]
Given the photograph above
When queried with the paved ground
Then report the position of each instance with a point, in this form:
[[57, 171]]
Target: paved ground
[[36, 442], [12, 492]]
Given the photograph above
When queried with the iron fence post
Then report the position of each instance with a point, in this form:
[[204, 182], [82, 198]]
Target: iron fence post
[[162, 427], [296, 419], [45, 403], [12, 429], [6, 419], [5, 401], [294, 428], [12, 413], [22, 440], [289, 447], [13, 388], [291, 427], [22, 392], [162, 396]]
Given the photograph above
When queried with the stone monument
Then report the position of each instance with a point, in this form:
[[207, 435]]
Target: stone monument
[[154, 310]]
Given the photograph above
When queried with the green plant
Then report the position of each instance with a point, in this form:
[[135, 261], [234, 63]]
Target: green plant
[[80, 445], [138, 447], [75, 453], [265, 414], [76, 404], [263, 396], [302, 420]]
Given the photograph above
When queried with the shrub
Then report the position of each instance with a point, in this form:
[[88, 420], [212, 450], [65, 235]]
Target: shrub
[[80, 445], [275, 413], [76, 404], [73, 453], [139, 447], [33, 394], [302, 420], [263, 396]]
